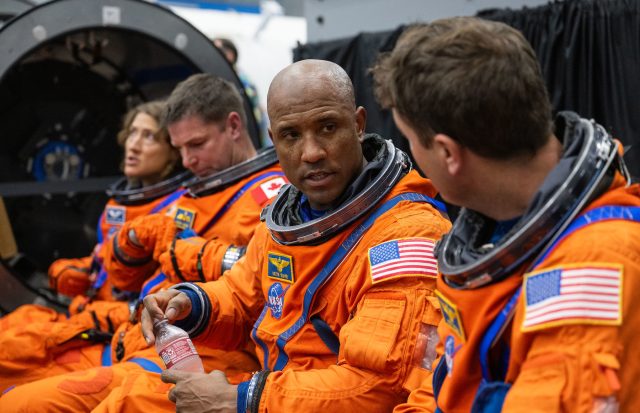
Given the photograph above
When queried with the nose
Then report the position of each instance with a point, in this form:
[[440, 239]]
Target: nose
[[133, 142], [312, 150], [188, 161]]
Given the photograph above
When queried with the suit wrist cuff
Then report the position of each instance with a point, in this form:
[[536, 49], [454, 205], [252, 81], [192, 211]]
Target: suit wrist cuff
[[243, 388], [196, 322]]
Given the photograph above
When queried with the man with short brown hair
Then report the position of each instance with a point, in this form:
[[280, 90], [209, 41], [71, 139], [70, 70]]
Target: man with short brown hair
[[539, 275]]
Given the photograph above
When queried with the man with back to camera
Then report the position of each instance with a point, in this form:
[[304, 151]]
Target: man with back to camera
[[206, 122], [540, 272], [338, 280]]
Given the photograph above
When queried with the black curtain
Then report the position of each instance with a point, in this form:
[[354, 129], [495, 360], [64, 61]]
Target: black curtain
[[589, 51]]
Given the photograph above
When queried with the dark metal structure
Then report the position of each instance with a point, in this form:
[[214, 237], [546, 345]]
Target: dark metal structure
[[69, 70]]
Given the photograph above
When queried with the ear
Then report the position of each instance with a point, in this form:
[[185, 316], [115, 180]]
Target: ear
[[234, 123], [361, 121], [450, 153]]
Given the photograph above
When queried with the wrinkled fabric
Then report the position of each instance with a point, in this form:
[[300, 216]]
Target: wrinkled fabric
[[235, 227], [377, 322], [564, 367], [33, 338]]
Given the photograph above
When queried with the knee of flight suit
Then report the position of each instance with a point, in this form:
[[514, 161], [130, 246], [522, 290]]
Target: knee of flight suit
[[79, 391], [140, 391]]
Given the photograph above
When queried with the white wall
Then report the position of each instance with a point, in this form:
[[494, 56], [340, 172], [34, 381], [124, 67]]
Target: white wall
[[261, 53]]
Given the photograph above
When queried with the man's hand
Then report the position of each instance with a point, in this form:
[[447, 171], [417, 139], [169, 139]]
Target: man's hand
[[153, 233], [200, 392], [172, 304]]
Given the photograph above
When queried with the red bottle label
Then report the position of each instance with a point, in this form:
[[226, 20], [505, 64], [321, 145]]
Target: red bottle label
[[176, 351]]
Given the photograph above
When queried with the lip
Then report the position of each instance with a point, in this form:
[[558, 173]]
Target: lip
[[131, 161], [316, 179]]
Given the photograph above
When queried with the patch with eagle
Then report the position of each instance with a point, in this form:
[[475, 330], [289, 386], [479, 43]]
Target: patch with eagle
[[280, 267]]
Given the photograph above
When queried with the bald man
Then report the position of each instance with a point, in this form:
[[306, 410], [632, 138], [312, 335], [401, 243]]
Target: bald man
[[336, 288]]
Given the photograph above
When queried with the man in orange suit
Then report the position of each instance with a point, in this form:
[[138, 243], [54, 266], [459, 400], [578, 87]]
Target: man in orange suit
[[205, 118], [540, 271], [336, 289]]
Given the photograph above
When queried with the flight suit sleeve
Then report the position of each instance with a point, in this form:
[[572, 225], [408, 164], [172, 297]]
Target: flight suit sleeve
[[574, 363], [199, 259], [231, 304], [377, 363]]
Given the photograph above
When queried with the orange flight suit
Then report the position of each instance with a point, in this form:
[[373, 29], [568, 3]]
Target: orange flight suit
[[113, 217], [377, 316], [33, 337], [227, 217], [558, 362]]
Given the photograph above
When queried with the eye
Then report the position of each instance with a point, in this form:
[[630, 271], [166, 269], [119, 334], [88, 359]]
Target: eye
[[329, 127], [289, 134], [148, 135]]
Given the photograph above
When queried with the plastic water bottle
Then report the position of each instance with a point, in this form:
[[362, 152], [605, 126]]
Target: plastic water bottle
[[175, 348]]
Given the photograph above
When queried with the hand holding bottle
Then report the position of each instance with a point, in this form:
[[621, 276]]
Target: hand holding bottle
[[170, 304], [199, 392]]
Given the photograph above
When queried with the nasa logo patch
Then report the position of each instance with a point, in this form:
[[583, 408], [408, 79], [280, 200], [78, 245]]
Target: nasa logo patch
[[275, 300], [450, 350]]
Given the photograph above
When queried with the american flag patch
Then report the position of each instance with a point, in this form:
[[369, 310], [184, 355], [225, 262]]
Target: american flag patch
[[581, 294], [402, 257]]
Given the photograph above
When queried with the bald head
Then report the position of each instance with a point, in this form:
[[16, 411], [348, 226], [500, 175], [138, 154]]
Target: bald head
[[315, 76], [316, 129]]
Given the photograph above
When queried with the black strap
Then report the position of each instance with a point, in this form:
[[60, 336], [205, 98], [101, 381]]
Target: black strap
[[120, 347], [174, 259], [326, 334], [96, 336], [96, 322], [110, 325], [199, 260]]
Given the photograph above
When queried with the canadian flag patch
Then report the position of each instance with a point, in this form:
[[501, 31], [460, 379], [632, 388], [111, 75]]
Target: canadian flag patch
[[267, 190]]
